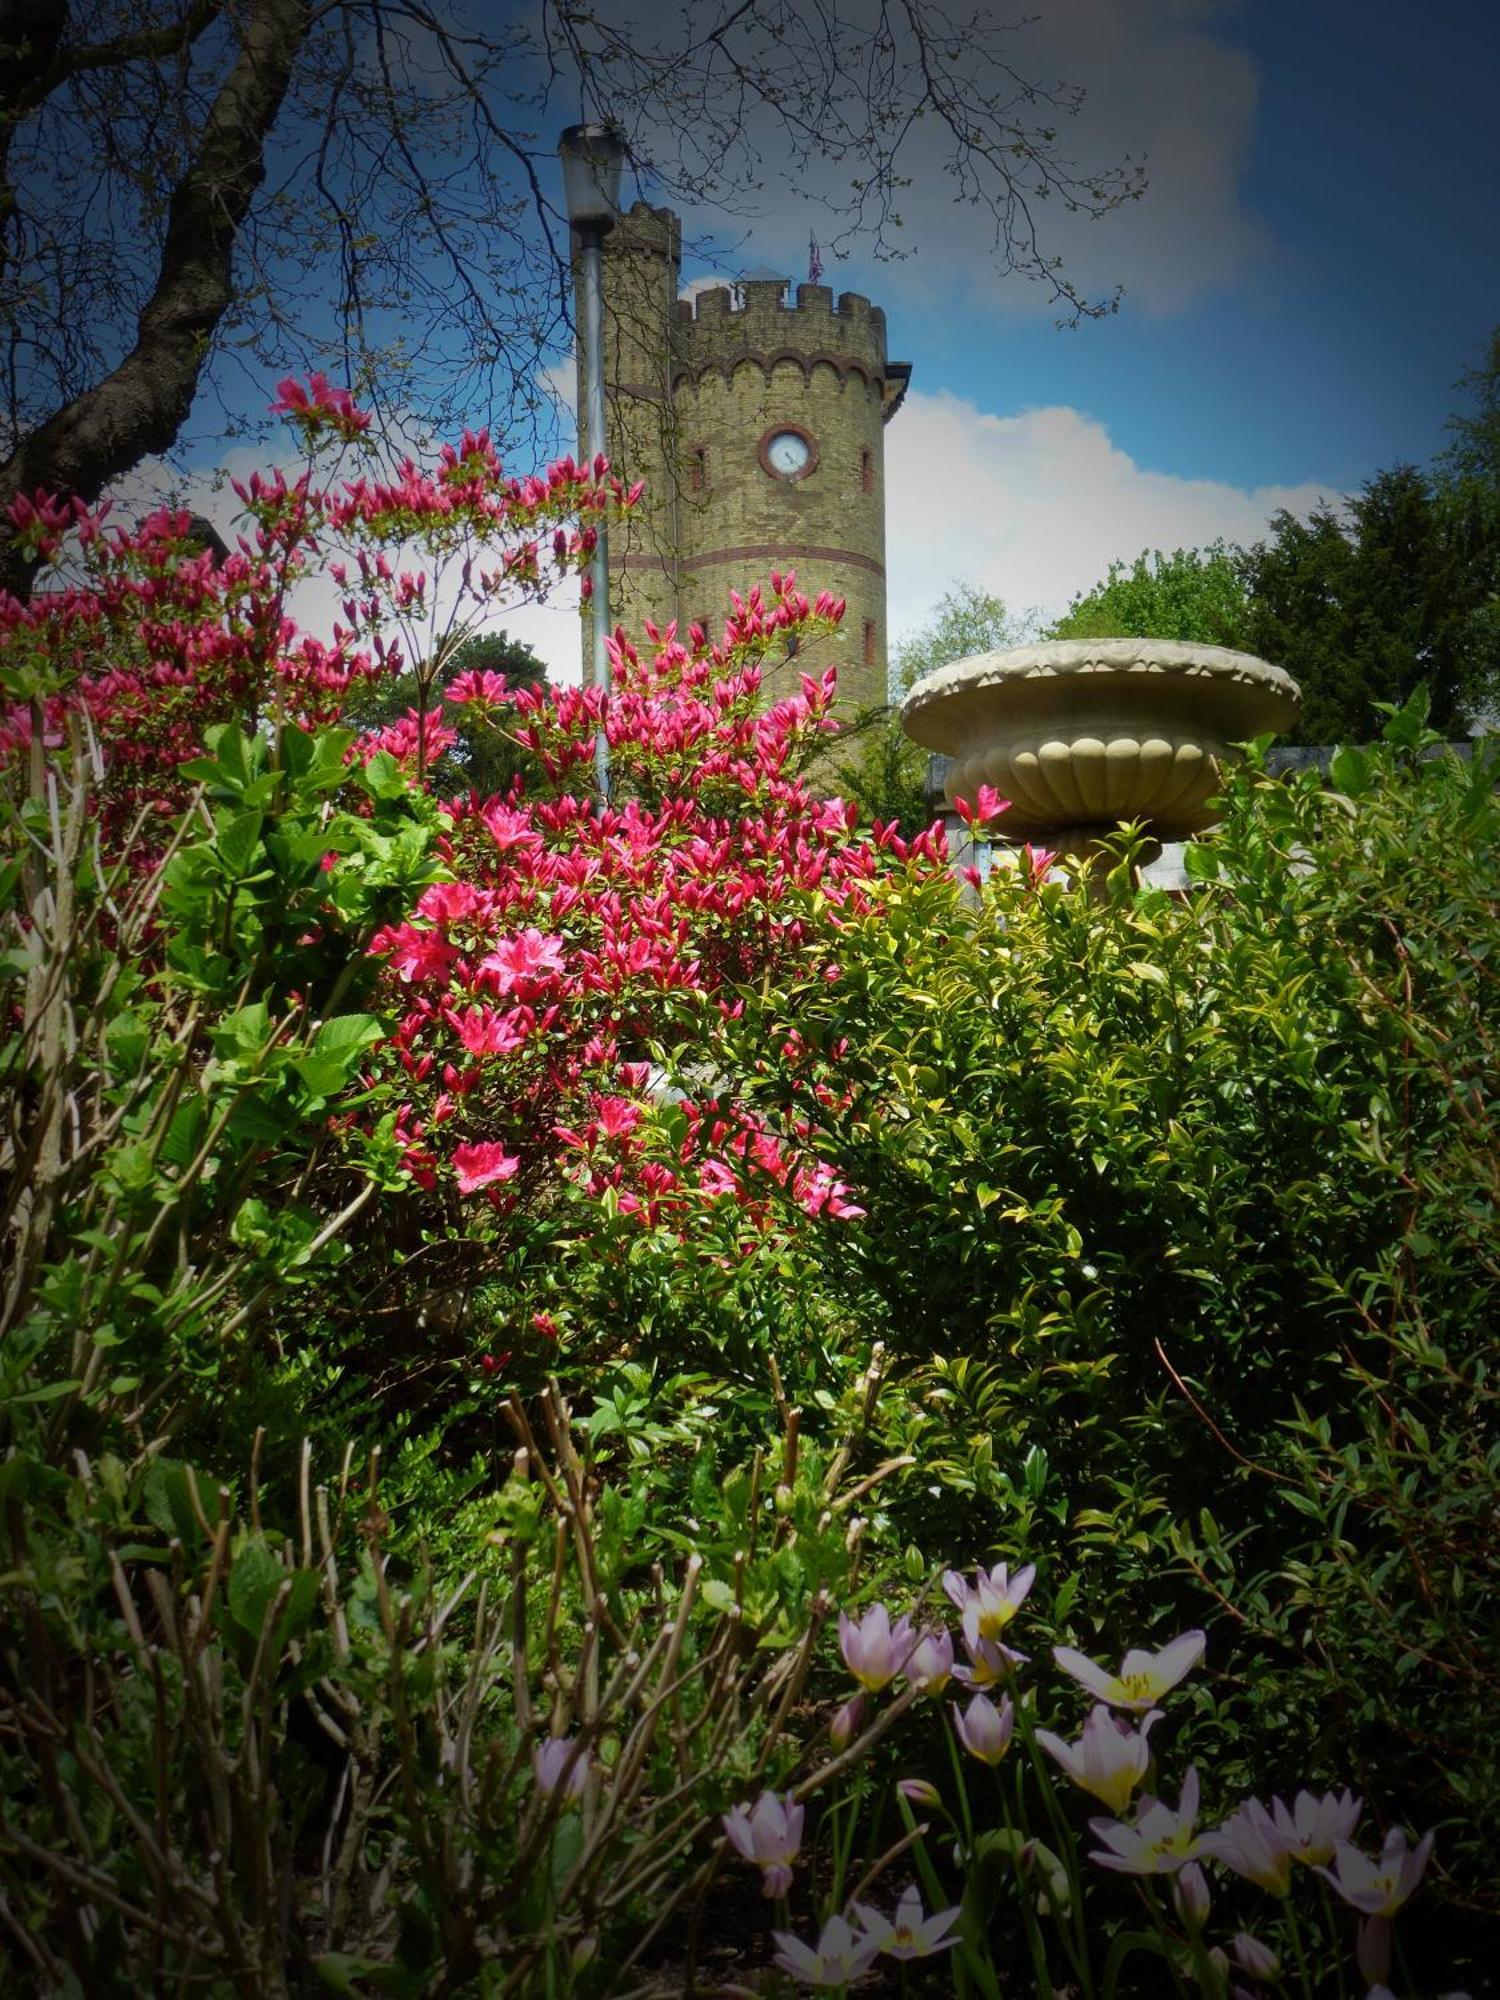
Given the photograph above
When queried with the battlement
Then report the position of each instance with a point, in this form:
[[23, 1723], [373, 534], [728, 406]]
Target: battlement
[[697, 388], [758, 319], [644, 230]]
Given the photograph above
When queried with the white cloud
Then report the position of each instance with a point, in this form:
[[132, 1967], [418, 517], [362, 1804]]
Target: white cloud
[[1164, 83], [1035, 507]]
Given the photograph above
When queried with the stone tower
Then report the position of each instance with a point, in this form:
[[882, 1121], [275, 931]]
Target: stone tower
[[758, 426]]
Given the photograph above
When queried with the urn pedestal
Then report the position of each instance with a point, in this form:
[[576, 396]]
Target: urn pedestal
[[1080, 734]]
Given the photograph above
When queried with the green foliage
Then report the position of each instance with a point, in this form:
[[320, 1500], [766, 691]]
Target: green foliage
[[1474, 450], [1181, 1224], [1193, 594], [1365, 603], [187, 1015], [305, 1760], [966, 620], [886, 774], [486, 758]]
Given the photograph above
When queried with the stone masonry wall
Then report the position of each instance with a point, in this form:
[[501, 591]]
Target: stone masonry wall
[[694, 391]]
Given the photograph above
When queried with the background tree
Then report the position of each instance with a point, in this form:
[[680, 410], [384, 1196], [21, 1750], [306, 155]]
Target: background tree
[[1196, 594], [886, 775], [1367, 602], [1474, 451], [486, 758], [1363, 601], [269, 186], [965, 621]]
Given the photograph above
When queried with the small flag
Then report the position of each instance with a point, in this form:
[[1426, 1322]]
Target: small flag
[[814, 261]]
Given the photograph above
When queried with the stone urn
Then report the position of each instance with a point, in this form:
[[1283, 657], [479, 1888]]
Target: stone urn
[[1080, 734]]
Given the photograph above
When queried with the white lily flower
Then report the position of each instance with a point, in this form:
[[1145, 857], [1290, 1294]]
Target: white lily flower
[[1250, 1843], [908, 1934], [1143, 1677], [841, 1954], [1379, 1888], [1311, 1828], [1158, 1843], [994, 1597], [1109, 1759], [770, 1835]]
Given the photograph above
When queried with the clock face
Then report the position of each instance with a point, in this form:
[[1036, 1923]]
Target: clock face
[[788, 453]]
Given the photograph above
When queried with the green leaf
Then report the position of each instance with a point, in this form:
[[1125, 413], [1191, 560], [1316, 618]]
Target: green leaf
[[1349, 770], [254, 1579], [383, 778], [238, 844]]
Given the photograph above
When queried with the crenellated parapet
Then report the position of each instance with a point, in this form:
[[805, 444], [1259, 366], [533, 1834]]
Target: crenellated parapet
[[754, 415], [762, 326]]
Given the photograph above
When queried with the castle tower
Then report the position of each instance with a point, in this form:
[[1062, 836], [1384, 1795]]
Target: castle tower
[[758, 426], [642, 256]]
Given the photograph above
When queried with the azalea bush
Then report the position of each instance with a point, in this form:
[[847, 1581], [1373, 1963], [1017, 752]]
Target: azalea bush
[[809, 1218]]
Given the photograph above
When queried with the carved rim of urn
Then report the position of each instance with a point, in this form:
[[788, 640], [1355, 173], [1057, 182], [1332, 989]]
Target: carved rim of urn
[[1084, 733]]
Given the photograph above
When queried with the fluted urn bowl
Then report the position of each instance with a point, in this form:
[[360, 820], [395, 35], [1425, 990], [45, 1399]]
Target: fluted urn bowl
[[1080, 734]]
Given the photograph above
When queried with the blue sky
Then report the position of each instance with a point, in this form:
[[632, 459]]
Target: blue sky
[[1313, 265], [1373, 166]]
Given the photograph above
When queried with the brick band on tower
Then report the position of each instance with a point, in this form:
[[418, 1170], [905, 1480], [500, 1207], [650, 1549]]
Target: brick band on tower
[[758, 426]]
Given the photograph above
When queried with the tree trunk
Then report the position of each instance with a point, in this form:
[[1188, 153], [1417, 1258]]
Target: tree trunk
[[143, 403]]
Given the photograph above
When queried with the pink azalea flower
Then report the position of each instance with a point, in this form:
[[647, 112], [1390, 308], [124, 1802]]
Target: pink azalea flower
[[485, 1033], [617, 1117], [482, 1162], [528, 955], [988, 805]]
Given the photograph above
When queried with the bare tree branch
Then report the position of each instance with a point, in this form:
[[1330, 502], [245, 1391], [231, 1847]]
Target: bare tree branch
[[142, 404], [271, 186]]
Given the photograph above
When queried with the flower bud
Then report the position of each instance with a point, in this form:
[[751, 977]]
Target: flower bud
[[917, 1792], [1373, 1951], [1251, 1956], [1190, 1894], [845, 1725]]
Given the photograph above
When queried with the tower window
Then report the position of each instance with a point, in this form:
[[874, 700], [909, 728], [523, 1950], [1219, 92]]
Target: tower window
[[867, 471], [869, 642], [698, 468]]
